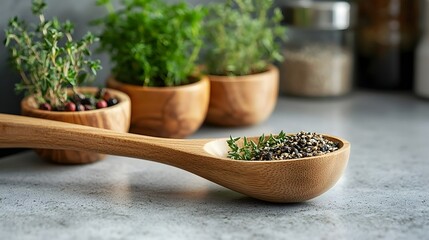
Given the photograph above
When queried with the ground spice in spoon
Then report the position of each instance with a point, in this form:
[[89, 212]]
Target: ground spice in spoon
[[281, 147]]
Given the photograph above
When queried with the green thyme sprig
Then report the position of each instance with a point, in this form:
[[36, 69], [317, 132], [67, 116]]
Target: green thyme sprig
[[47, 57], [250, 149]]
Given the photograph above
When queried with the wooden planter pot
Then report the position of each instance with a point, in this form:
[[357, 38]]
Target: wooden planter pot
[[115, 118], [242, 100], [173, 112]]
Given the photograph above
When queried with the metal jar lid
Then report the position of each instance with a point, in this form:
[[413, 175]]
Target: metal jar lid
[[326, 15]]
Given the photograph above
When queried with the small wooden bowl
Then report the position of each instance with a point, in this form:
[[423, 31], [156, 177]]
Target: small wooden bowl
[[171, 112], [116, 118], [242, 100]]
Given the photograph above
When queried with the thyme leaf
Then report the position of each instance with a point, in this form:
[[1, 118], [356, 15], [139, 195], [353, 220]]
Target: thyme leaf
[[249, 149]]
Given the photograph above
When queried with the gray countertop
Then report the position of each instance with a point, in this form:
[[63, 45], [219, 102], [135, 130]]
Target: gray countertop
[[382, 195]]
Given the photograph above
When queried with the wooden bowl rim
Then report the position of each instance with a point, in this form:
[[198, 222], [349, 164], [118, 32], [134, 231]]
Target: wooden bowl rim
[[123, 99], [195, 85], [245, 78]]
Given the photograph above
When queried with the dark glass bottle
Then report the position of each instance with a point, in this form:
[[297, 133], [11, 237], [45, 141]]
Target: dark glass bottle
[[387, 35]]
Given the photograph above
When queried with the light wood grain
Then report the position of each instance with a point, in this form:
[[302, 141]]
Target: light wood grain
[[173, 112], [242, 100], [115, 118], [276, 181]]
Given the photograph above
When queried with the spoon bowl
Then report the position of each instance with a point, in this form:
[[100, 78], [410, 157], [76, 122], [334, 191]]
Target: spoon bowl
[[293, 180]]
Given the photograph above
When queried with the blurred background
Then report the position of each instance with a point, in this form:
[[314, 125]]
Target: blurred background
[[372, 45]]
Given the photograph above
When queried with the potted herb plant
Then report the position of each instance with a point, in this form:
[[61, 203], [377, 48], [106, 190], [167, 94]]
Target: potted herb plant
[[52, 66], [153, 47], [241, 43]]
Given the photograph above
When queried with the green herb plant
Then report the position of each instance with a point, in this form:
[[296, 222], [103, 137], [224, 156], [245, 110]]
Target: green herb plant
[[241, 37], [152, 43], [47, 58], [249, 149]]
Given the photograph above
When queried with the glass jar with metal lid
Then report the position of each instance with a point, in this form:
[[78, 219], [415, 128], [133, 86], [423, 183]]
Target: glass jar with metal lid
[[318, 53]]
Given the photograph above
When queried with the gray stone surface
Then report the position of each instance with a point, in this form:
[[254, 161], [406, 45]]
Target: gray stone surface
[[382, 195]]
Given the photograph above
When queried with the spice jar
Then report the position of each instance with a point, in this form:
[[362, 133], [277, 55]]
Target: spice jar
[[421, 87], [387, 35], [318, 54]]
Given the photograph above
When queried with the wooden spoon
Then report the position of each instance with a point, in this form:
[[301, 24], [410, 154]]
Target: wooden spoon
[[276, 181]]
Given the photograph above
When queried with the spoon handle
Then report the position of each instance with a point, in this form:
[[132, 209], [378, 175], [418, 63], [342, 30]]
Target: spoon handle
[[26, 132]]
